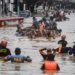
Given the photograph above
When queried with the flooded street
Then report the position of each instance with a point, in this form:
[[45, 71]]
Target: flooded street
[[31, 48]]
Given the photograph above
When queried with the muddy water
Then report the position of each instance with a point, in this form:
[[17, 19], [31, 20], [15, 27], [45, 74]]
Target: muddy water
[[31, 47]]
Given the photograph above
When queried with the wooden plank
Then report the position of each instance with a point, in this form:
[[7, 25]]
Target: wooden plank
[[3, 20], [9, 19]]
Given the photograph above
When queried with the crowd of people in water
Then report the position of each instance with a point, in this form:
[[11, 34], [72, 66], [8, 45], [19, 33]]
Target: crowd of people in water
[[49, 62], [45, 27]]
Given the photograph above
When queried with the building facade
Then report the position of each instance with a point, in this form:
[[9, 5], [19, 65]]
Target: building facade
[[19, 5], [69, 4], [12, 5]]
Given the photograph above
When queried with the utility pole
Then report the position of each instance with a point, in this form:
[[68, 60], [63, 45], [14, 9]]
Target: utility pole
[[2, 7], [18, 8]]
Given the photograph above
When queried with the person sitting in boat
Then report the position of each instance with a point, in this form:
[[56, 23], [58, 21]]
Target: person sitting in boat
[[42, 26], [20, 29], [18, 58], [46, 52], [4, 51], [35, 23], [50, 65]]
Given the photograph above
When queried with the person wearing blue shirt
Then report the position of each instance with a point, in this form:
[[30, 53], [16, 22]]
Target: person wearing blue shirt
[[18, 58]]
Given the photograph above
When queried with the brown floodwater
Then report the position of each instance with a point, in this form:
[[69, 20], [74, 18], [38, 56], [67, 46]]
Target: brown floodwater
[[31, 48]]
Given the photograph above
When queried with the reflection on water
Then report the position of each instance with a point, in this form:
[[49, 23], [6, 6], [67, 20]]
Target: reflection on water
[[51, 72]]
